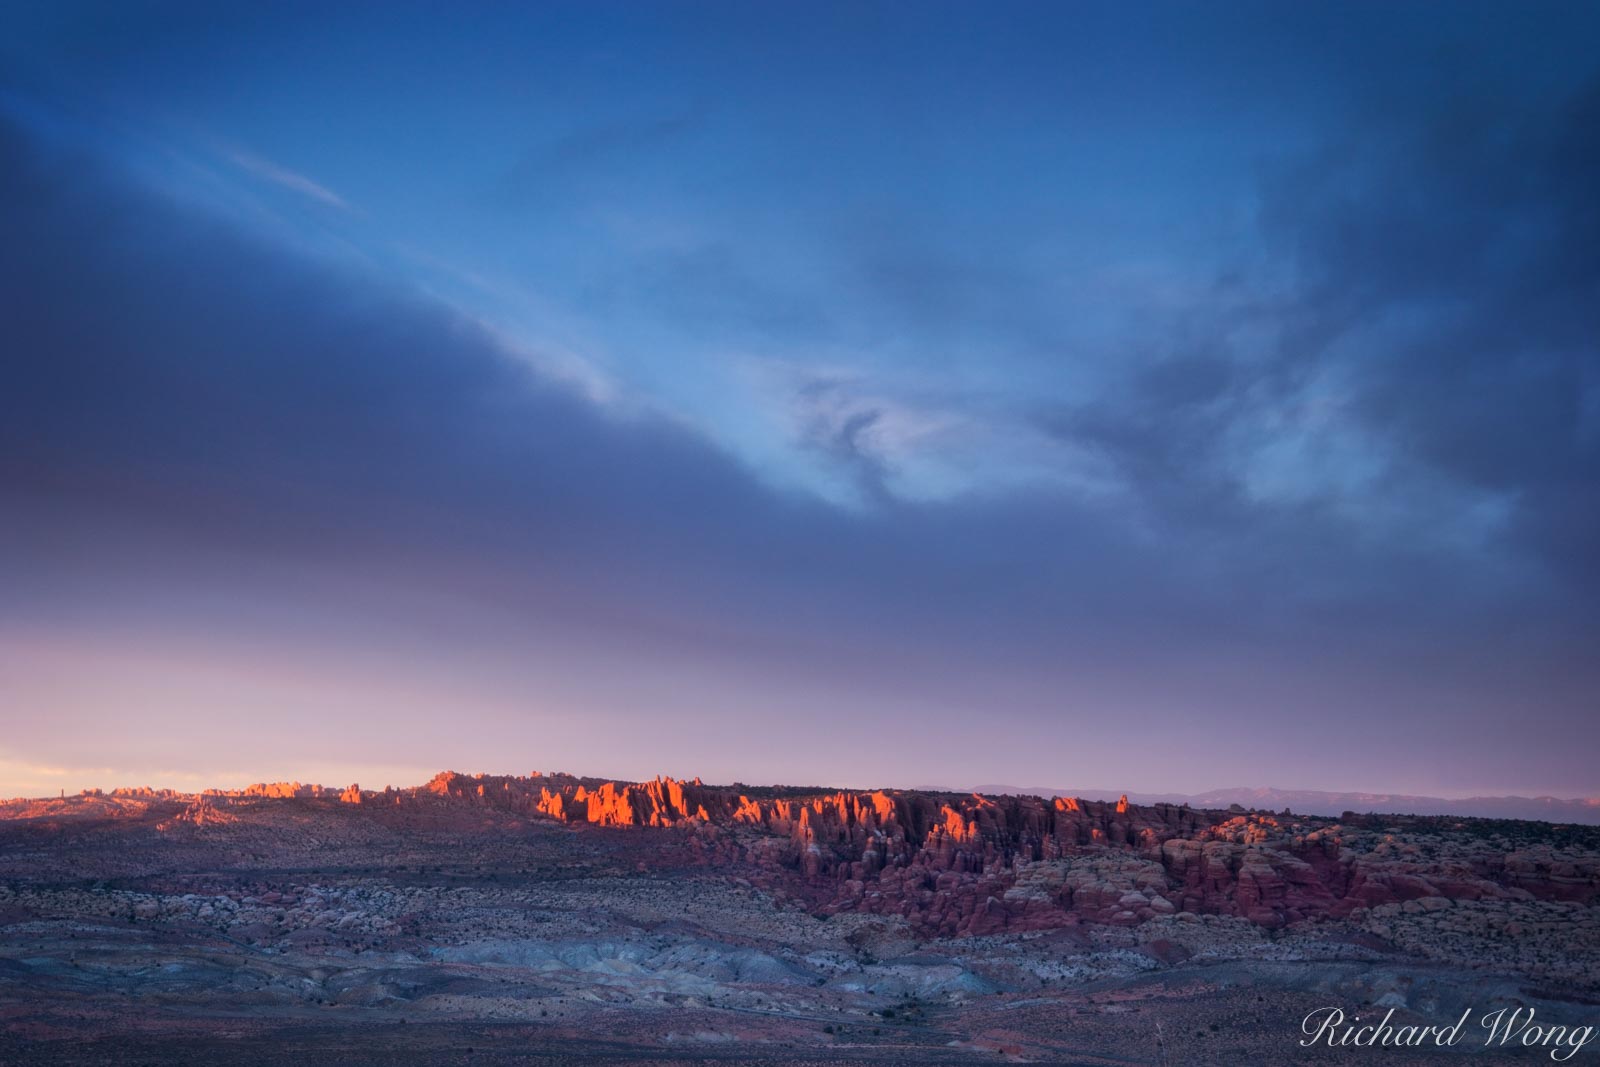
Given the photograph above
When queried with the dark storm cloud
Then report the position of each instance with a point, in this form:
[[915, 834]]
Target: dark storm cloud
[[1481, 221], [1440, 267], [168, 360]]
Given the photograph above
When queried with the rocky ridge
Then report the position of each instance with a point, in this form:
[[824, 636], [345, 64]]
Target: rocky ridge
[[968, 864]]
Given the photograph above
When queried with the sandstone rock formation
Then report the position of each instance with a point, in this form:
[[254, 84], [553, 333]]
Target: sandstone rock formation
[[971, 864]]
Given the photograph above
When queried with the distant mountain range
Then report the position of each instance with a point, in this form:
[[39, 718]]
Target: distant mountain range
[[1315, 802]]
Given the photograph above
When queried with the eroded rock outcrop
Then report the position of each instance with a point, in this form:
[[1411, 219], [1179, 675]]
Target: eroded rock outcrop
[[970, 864], [973, 864]]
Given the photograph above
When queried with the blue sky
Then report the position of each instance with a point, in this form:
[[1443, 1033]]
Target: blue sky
[[1206, 378]]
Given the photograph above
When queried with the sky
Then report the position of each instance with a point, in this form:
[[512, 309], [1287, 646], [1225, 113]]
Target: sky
[[1163, 397]]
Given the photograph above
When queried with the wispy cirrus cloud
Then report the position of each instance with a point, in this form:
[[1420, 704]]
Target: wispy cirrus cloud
[[282, 176]]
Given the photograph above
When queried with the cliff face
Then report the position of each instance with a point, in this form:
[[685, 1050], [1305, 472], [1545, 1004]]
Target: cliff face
[[973, 864]]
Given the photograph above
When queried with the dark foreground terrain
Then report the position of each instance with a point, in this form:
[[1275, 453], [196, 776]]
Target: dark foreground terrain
[[559, 920]]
